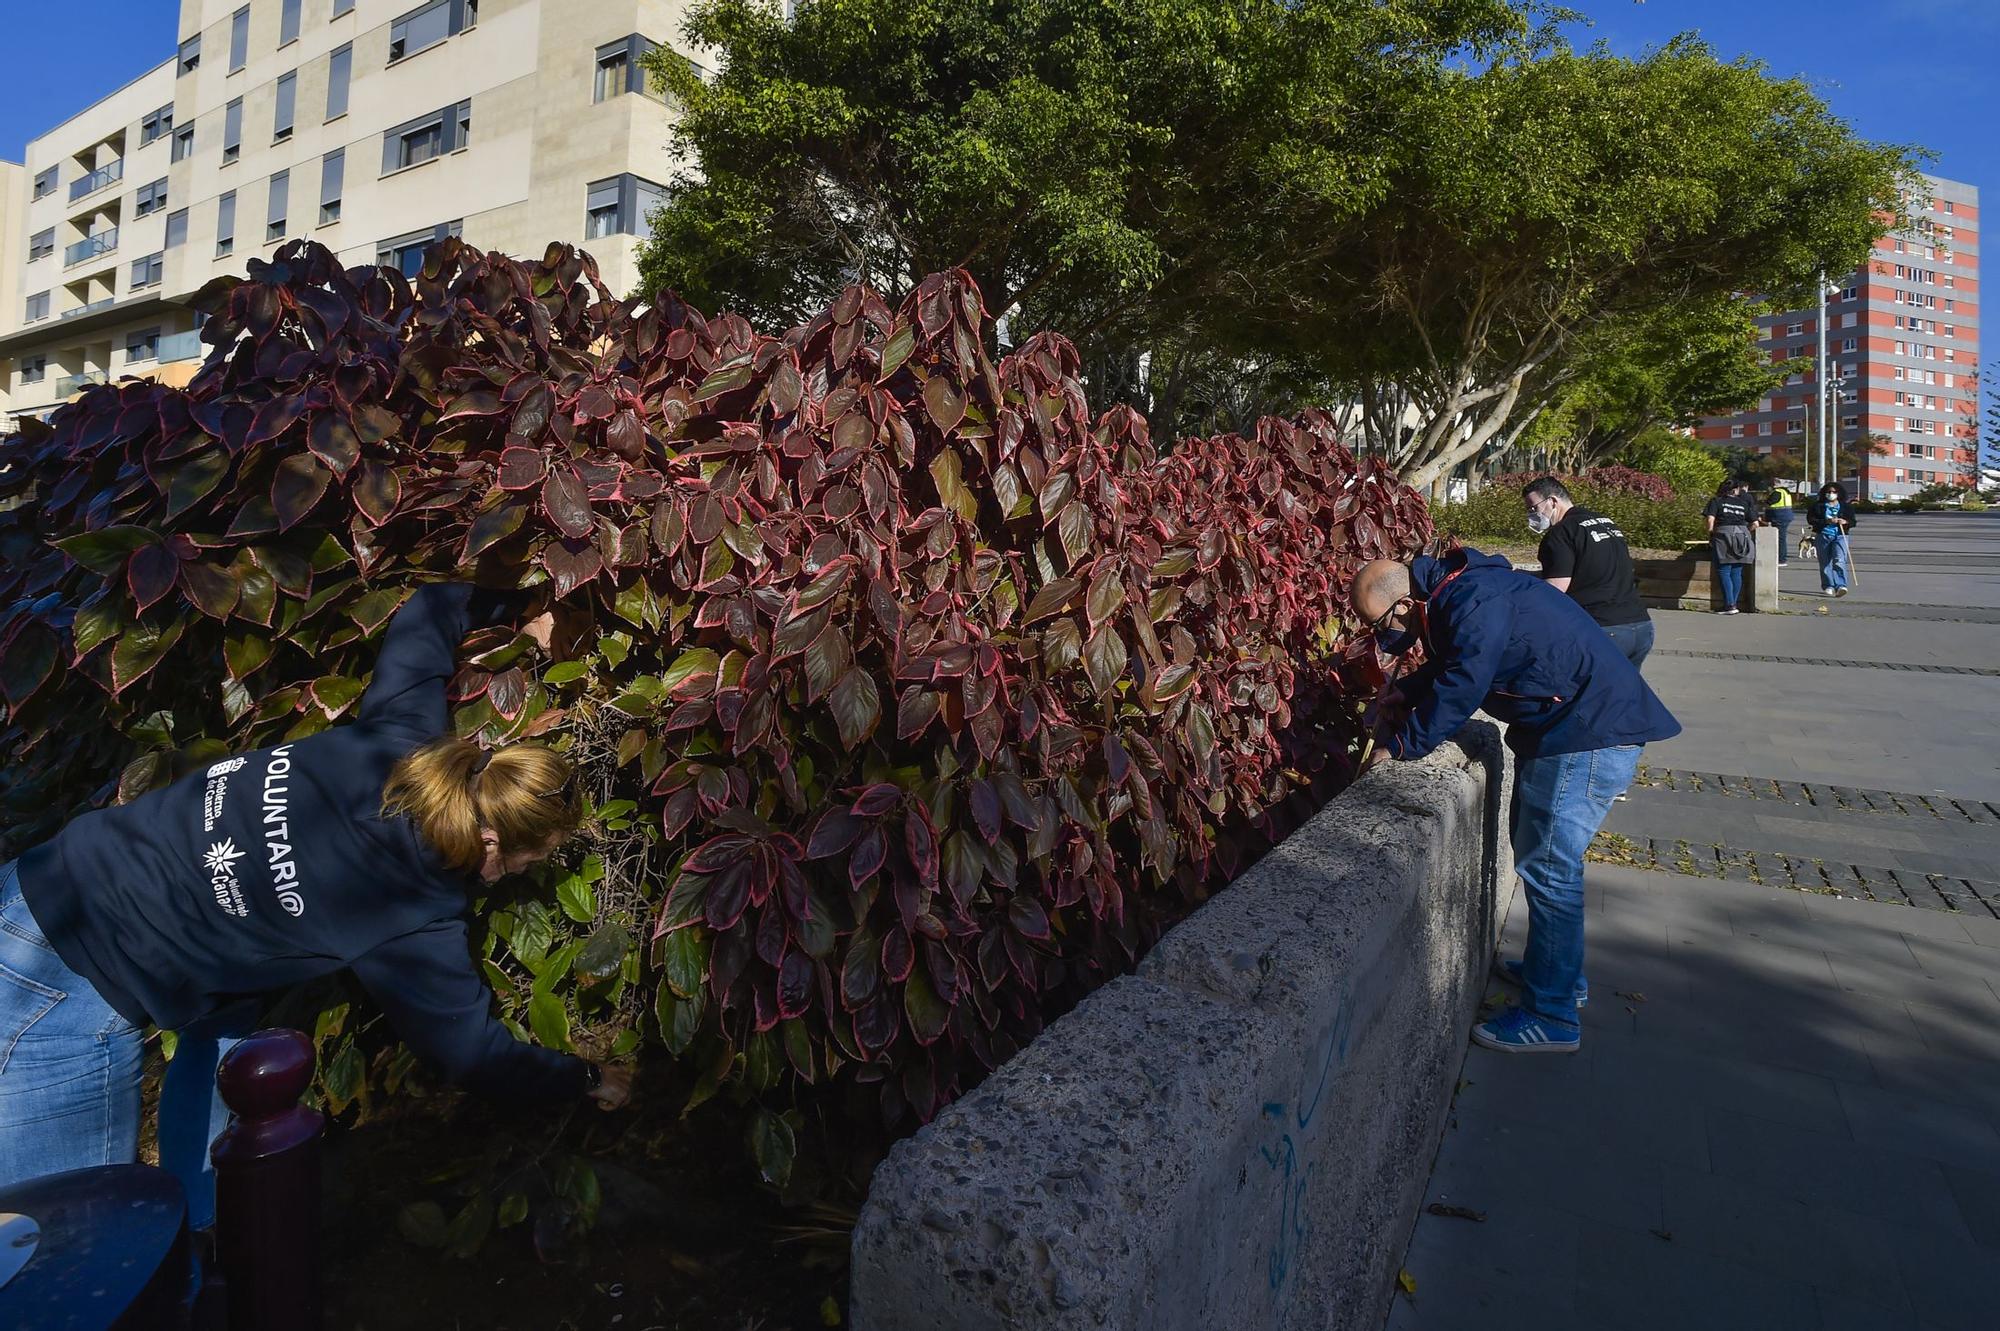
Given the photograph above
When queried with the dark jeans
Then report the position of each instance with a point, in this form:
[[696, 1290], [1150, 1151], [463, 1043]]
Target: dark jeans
[[1635, 640], [1781, 518]]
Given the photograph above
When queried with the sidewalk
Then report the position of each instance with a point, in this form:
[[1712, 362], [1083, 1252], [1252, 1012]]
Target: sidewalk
[[1786, 1112]]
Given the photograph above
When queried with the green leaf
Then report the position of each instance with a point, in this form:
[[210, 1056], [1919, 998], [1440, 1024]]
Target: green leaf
[[774, 1146], [577, 900], [689, 664], [684, 958], [897, 350], [195, 477], [344, 1078], [422, 1223], [513, 1210], [1104, 658], [139, 649], [106, 551], [926, 1011], [565, 672], [726, 378], [679, 1018], [96, 625], [335, 693], [549, 1019], [469, 1228], [532, 934]]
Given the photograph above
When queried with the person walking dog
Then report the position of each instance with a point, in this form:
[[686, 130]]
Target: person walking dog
[[1831, 519], [1585, 556], [1731, 516], [1779, 512], [354, 848], [1578, 715]]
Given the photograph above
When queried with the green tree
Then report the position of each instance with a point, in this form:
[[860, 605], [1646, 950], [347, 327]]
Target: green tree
[[1114, 169], [1547, 203], [1674, 365], [1684, 464]]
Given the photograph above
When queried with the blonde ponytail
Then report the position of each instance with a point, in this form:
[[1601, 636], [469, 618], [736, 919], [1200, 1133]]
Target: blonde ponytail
[[452, 788]]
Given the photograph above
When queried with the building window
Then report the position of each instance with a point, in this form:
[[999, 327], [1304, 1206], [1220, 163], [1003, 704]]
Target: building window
[[177, 228], [288, 98], [619, 206], [1848, 344], [342, 7], [1850, 422], [339, 71], [332, 175], [239, 39], [420, 140], [1793, 330], [34, 369], [42, 244], [280, 203], [190, 57], [1949, 206], [45, 182], [143, 345], [183, 143], [406, 253], [150, 198], [156, 123], [423, 28], [232, 131], [225, 224], [288, 22], [1735, 432], [621, 67], [38, 308]]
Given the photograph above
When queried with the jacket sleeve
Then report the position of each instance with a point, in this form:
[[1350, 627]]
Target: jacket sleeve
[[1469, 642], [420, 654], [441, 1007]]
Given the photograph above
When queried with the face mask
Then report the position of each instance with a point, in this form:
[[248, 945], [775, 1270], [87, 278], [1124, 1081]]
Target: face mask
[[1398, 641], [1538, 522]]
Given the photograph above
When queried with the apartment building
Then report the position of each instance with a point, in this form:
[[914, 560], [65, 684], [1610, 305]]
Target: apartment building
[[1903, 341], [375, 127]]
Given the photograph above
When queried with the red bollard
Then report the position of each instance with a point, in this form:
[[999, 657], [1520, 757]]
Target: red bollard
[[267, 1185]]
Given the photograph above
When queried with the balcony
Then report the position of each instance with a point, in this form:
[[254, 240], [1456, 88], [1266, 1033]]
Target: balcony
[[96, 180], [71, 384], [90, 247], [91, 308], [182, 346]]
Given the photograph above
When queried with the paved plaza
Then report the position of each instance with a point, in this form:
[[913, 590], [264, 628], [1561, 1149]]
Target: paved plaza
[[1786, 1111]]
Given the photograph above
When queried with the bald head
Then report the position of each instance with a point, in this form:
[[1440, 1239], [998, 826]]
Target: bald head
[[1380, 584]]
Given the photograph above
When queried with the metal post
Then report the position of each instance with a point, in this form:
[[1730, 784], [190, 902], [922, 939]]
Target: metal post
[[267, 1185], [1820, 443]]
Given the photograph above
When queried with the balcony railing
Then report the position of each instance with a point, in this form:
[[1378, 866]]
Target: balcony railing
[[96, 180], [90, 247], [71, 384], [91, 308], [182, 346]]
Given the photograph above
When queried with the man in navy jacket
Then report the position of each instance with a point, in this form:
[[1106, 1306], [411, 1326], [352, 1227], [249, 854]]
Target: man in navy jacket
[[1578, 715]]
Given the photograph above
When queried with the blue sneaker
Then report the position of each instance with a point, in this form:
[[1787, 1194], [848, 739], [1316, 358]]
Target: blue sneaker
[[1510, 971], [1519, 1031]]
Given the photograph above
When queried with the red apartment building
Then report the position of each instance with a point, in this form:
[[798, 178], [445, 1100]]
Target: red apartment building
[[1903, 336]]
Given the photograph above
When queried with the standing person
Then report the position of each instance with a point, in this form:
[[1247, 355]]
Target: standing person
[[1831, 518], [1577, 717], [355, 847], [1585, 556], [1778, 511], [1731, 515]]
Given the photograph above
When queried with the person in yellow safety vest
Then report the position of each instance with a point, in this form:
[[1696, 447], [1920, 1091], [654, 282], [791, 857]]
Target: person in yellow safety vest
[[1778, 511]]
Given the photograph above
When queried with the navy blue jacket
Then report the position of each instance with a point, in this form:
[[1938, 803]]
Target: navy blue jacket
[[1499, 639], [277, 867]]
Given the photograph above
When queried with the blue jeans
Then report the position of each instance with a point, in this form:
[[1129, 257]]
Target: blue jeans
[[1832, 559], [69, 1072], [1731, 577], [1559, 803], [1633, 640], [1782, 520]]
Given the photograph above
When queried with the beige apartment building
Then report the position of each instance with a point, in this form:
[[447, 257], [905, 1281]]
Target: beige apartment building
[[372, 126]]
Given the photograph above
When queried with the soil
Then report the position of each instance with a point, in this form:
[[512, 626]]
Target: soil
[[687, 1238]]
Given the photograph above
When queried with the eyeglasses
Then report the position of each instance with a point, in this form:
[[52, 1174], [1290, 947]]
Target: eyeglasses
[[1375, 624]]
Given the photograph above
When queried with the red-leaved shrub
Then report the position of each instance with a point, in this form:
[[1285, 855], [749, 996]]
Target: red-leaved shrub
[[912, 701]]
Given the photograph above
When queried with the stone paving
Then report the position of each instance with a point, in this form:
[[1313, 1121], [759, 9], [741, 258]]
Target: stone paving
[[1786, 1111]]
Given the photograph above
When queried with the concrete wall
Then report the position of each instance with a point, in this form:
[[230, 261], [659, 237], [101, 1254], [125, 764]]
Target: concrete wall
[[1689, 583], [1238, 1135]]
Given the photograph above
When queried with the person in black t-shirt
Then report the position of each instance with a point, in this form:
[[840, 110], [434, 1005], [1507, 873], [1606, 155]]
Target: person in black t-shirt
[[1585, 555], [1731, 515]]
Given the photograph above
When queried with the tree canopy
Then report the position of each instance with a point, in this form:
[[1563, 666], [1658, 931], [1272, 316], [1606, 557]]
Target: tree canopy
[[1431, 211]]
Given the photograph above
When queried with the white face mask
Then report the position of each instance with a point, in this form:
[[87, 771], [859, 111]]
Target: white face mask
[[1538, 522]]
